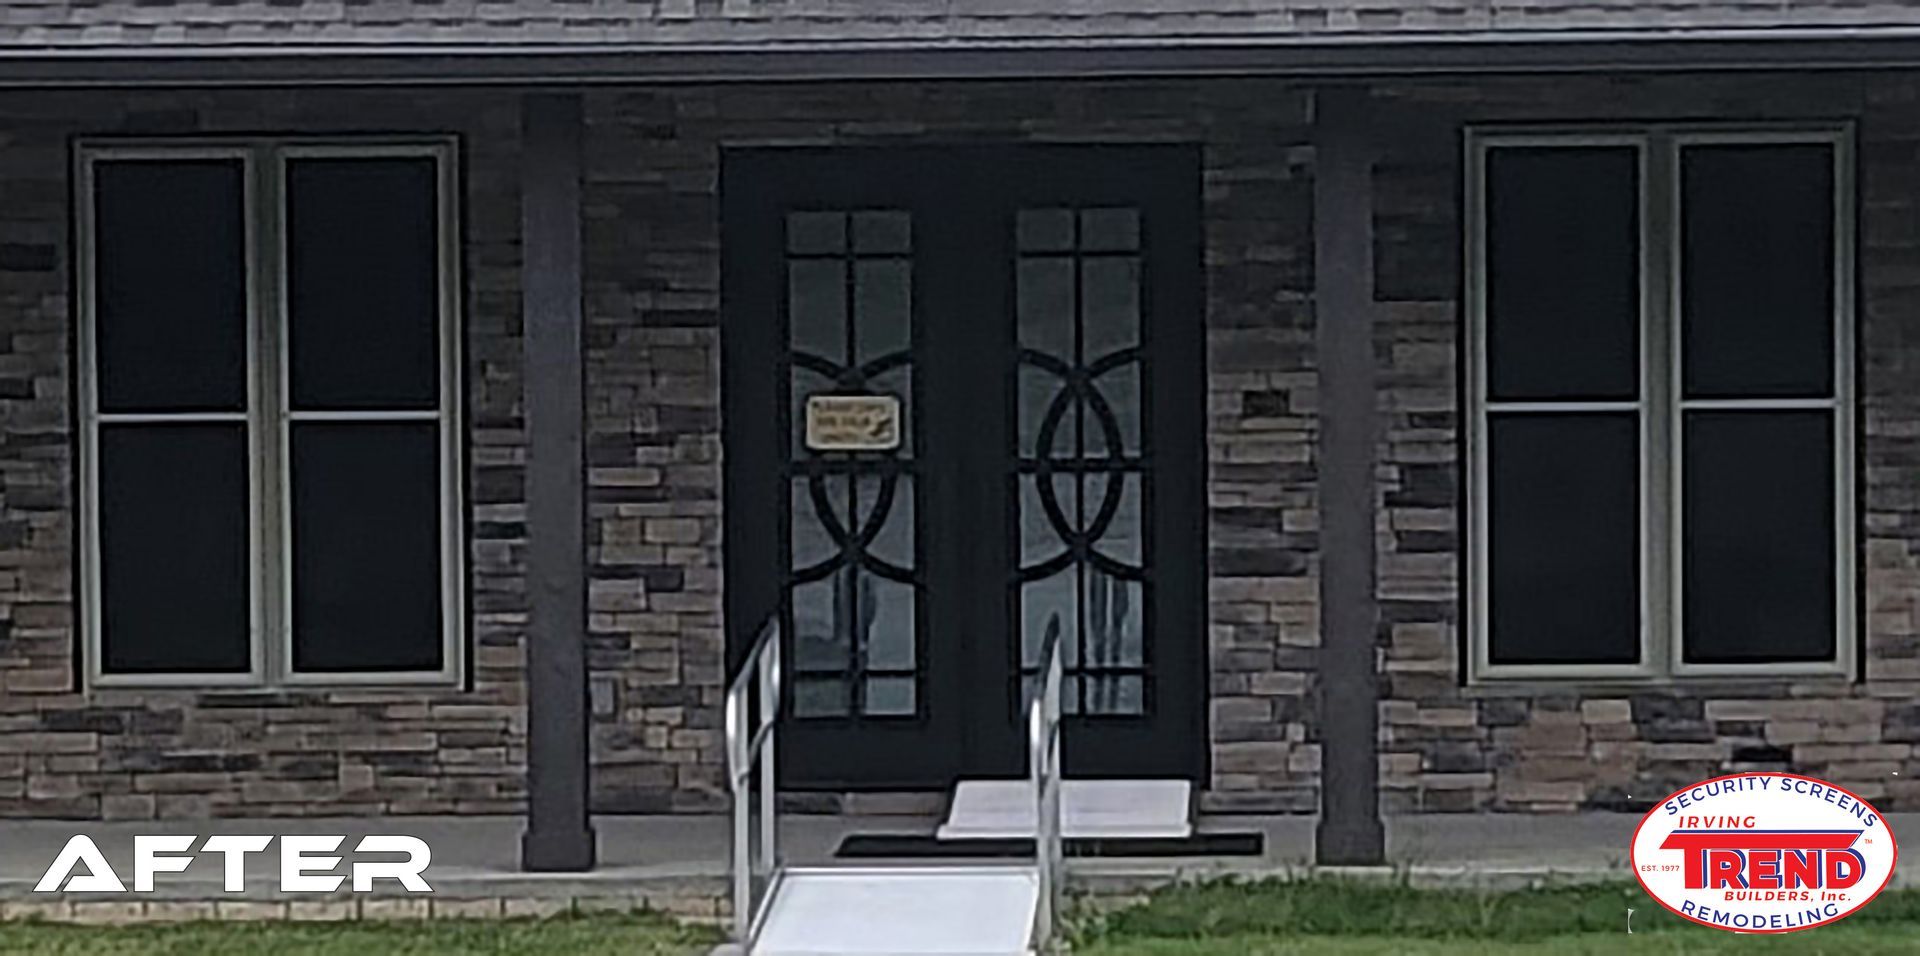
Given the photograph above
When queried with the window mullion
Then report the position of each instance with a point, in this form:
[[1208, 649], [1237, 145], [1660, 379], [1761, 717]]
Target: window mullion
[[1661, 456]]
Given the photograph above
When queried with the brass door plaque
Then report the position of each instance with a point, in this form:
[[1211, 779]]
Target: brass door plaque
[[853, 422]]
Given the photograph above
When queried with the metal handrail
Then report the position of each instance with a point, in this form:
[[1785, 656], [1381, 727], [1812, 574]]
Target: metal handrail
[[1043, 772], [752, 713]]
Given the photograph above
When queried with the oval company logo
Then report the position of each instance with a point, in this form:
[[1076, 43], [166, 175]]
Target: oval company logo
[[1763, 852]]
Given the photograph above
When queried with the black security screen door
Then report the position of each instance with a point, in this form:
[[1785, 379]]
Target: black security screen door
[[964, 408]]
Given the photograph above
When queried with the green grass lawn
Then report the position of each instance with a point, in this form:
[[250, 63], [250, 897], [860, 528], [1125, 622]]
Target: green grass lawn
[[1341, 918], [1336, 918], [596, 935]]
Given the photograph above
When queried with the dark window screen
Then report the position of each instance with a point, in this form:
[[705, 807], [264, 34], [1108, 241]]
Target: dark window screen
[[366, 546], [1758, 536], [1756, 273], [173, 549], [1563, 556], [1562, 273], [170, 285], [363, 283]]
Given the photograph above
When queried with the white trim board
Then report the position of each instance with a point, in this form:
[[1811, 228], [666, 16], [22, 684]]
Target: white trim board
[[1089, 810]]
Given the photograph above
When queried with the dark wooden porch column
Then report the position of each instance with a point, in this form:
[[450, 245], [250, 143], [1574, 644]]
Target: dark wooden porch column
[[1349, 831], [559, 835]]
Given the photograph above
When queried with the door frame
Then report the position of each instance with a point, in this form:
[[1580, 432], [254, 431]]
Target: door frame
[[1165, 182]]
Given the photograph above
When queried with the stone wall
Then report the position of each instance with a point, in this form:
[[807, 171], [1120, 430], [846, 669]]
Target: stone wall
[[652, 286]]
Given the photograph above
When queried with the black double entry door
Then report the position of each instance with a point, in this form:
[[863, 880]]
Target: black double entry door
[[963, 408]]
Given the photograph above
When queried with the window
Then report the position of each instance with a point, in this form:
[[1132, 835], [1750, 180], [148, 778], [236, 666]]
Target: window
[[269, 413], [1660, 412]]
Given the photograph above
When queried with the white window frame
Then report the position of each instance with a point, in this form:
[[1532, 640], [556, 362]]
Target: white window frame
[[1658, 404], [267, 416]]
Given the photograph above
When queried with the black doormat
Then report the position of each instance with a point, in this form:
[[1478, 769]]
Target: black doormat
[[869, 846]]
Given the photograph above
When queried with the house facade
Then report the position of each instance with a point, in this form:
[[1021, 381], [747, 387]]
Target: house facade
[[1468, 409]]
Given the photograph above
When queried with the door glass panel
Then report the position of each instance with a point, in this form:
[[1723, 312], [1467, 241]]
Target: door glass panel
[[1116, 608], [816, 233], [1044, 230], [819, 697], [1038, 387], [1110, 287], [817, 307], [1115, 694], [854, 588], [1050, 603], [1119, 389], [882, 232], [1046, 293], [1110, 230], [812, 543], [1121, 540], [1084, 478], [882, 309], [892, 538], [890, 696], [819, 642], [889, 631], [1039, 542], [1112, 644]]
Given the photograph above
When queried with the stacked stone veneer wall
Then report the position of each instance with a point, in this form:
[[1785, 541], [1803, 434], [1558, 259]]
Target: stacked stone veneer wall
[[652, 304]]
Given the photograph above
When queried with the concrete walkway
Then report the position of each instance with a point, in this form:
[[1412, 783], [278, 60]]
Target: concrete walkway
[[679, 864]]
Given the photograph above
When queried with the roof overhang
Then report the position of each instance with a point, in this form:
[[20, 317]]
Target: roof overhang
[[1323, 56]]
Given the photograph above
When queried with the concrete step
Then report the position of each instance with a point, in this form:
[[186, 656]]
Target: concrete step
[[1089, 810]]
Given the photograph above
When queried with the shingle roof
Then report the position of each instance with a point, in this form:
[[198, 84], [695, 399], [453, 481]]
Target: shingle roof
[[159, 26]]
